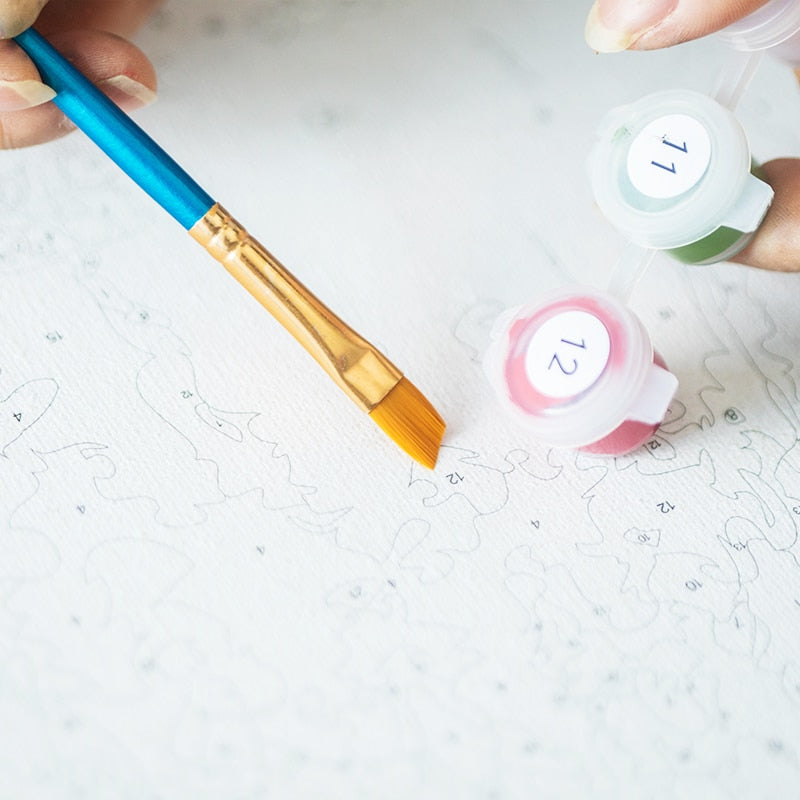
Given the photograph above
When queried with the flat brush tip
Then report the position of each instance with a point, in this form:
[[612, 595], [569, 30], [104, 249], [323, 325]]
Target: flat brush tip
[[407, 417]]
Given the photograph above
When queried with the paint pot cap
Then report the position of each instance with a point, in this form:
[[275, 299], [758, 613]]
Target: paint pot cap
[[768, 26], [573, 366], [672, 168]]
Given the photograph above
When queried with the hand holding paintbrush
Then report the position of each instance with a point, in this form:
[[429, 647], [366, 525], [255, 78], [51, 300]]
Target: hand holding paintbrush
[[359, 369], [89, 33], [124, 73]]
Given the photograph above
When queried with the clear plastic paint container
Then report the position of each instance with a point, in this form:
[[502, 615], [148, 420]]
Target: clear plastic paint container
[[672, 171], [577, 369], [775, 27]]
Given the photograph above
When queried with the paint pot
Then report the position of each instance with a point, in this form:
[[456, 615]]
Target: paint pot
[[774, 27], [673, 172], [577, 369]]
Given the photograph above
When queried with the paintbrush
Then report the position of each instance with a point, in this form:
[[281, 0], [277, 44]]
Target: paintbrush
[[363, 372]]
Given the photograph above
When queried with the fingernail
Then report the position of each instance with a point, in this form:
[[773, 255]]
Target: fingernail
[[127, 92], [614, 25], [18, 95]]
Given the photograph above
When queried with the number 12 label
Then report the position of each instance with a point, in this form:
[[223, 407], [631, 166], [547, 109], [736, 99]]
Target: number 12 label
[[567, 354], [669, 156]]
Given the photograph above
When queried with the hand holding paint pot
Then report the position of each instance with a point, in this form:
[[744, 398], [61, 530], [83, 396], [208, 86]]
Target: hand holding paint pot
[[615, 25], [88, 32], [673, 172], [750, 27]]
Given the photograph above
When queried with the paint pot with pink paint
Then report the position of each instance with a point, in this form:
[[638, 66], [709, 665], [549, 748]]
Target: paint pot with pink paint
[[577, 369]]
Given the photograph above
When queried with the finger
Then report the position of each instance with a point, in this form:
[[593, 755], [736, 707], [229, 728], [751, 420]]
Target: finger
[[122, 17], [776, 246], [20, 86], [17, 15], [614, 25], [119, 68]]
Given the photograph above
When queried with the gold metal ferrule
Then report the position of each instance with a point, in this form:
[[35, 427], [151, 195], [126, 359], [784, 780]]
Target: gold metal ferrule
[[362, 371]]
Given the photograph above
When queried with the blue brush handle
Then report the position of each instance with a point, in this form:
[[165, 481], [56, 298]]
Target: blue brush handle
[[117, 134]]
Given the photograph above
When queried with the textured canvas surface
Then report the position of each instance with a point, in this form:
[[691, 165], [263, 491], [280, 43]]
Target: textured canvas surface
[[219, 579]]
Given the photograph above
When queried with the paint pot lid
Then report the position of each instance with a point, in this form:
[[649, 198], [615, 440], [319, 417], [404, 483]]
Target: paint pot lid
[[768, 26], [671, 168], [571, 366]]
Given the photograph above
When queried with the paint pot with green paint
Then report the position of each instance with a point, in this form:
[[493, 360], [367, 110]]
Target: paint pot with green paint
[[672, 172]]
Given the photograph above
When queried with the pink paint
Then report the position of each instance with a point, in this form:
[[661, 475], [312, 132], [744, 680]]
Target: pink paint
[[520, 389], [630, 435], [619, 400]]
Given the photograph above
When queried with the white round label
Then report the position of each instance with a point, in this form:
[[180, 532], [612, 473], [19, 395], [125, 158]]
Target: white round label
[[567, 354], [669, 156]]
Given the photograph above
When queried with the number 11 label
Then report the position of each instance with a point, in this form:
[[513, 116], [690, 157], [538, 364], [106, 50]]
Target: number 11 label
[[567, 354], [669, 156]]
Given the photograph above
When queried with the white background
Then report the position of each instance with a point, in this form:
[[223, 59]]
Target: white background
[[218, 579]]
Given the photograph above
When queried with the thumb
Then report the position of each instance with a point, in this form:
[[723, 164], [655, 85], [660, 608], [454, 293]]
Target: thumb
[[776, 246], [614, 25], [18, 15]]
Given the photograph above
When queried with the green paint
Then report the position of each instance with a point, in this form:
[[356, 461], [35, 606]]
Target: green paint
[[721, 244], [722, 240]]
